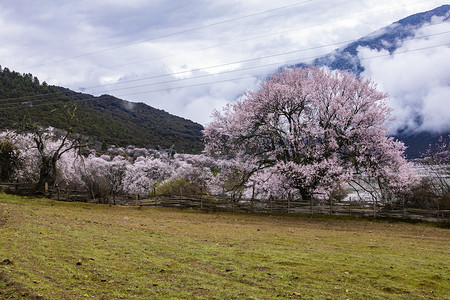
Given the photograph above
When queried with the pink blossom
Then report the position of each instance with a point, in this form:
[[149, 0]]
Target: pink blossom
[[313, 129]]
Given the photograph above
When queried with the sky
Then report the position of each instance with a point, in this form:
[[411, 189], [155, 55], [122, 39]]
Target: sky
[[189, 57]]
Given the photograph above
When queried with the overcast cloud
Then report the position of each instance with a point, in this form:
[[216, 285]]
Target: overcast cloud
[[190, 57], [418, 82]]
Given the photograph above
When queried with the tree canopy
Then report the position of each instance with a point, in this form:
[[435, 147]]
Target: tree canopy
[[310, 130]]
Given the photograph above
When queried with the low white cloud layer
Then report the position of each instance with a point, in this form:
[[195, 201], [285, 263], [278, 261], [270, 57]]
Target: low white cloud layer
[[417, 78]]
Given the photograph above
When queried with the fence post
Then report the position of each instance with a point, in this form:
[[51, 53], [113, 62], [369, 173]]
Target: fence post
[[253, 197], [403, 207], [331, 205], [232, 203], [374, 207], [350, 207]]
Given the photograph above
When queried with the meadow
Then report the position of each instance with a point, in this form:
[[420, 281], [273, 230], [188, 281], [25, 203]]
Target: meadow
[[61, 250]]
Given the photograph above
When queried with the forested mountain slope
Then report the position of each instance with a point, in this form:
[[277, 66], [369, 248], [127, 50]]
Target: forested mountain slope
[[104, 119]]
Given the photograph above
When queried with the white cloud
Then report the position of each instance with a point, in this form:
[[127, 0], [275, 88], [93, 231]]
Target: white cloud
[[417, 81], [436, 111]]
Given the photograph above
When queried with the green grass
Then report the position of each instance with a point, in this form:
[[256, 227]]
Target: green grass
[[141, 253]]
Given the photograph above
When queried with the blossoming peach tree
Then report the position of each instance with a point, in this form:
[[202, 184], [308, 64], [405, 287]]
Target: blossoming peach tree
[[309, 131]]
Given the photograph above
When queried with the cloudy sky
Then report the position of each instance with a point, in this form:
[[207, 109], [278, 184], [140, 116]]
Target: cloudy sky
[[189, 57]]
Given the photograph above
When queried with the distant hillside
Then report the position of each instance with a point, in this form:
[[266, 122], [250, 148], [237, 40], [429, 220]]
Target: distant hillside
[[105, 119], [389, 38]]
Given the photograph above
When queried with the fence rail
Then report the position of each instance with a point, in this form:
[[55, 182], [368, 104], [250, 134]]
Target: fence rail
[[222, 203], [348, 208], [15, 188]]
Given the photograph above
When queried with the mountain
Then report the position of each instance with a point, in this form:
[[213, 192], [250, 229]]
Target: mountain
[[104, 119], [390, 39]]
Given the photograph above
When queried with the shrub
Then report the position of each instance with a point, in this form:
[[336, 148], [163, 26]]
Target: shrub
[[428, 195], [9, 159], [178, 186]]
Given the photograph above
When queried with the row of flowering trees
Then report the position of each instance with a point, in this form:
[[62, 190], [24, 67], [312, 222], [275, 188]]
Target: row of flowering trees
[[127, 170], [305, 132]]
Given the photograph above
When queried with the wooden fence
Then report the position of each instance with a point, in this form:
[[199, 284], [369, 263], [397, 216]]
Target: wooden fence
[[220, 203], [349, 208], [15, 188]]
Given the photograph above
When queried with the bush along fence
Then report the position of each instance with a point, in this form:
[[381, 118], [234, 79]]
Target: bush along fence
[[347, 207]]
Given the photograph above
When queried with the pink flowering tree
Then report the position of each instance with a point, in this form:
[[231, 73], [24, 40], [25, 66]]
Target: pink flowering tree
[[68, 166], [9, 157], [314, 129], [268, 183], [52, 144], [434, 187], [194, 170], [231, 177], [28, 156], [144, 175], [47, 150], [102, 176]]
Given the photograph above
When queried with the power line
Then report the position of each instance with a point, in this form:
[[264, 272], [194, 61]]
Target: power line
[[229, 20], [254, 38], [221, 81], [214, 24], [222, 65], [244, 61], [241, 61], [220, 73], [174, 33], [15, 105], [216, 66]]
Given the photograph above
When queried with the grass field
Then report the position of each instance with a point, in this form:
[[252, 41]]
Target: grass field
[[57, 250]]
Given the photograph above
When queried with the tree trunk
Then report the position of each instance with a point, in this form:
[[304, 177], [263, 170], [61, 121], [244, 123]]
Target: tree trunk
[[374, 207], [306, 196], [289, 204], [45, 174], [253, 197], [331, 205]]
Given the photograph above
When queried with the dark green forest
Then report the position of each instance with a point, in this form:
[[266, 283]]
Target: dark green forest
[[104, 119]]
